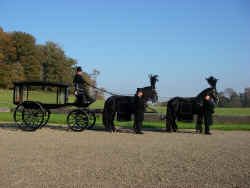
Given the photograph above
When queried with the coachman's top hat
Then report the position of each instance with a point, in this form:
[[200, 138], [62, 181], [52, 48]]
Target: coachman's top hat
[[79, 69]]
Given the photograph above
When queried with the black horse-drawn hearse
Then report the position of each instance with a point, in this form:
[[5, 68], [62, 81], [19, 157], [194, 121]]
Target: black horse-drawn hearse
[[31, 114]]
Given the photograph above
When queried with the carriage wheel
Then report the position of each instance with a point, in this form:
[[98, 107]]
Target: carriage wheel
[[77, 120], [17, 116], [32, 116], [92, 120], [46, 118]]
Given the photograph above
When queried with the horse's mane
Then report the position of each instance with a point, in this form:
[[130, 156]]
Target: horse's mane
[[204, 93]]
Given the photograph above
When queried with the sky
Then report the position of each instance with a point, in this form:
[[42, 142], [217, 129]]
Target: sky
[[182, 41]]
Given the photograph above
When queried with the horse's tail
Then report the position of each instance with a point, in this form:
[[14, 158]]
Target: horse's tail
[[168, 118], [107, 113]]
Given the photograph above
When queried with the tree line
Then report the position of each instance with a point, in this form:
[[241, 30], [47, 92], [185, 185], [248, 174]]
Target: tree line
[[22, 59], [230, 98]]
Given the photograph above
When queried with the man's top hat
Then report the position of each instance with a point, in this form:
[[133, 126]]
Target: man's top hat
[[79, 69]]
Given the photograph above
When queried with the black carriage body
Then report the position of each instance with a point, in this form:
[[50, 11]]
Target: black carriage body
[[23, 88]]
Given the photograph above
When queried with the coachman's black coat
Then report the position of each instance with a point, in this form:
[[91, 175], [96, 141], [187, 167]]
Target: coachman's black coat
[[81, 90]]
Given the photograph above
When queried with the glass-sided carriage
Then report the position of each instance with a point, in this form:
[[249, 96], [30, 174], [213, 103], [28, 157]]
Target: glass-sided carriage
[[31, 113]]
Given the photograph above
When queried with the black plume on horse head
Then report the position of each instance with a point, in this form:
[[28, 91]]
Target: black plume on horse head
[[212, 81], [153, 80]]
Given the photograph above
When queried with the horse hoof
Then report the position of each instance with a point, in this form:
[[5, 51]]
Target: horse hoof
[[208, 133]]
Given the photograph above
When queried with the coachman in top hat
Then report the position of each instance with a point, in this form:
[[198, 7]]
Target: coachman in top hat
[[81, 90]]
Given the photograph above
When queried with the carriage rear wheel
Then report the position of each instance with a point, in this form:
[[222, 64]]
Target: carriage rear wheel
[[77, 120], [29, 115], [17, 116], [92, 120]]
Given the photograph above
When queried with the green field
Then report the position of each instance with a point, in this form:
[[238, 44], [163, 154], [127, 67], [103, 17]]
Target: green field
[[61, 119], [6, 100], [218, 111]]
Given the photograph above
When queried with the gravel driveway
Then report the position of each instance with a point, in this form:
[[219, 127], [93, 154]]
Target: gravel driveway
[[54, 157]]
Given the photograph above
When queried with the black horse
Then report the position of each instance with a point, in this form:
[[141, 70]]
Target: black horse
[[123, 106], [184, 108]]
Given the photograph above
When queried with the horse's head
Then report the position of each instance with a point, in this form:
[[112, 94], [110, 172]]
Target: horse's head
[[150, 93], [212, 91]]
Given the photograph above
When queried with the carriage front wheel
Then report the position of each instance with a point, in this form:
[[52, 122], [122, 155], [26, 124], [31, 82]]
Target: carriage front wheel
[[92, 120], [77, 120]]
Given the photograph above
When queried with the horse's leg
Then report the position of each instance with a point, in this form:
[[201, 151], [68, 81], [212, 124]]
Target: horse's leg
[[174, 125], [208, 120], [107, 120], [105, 117], [112, 125], [107, 126], [168, 120], [199, 123]]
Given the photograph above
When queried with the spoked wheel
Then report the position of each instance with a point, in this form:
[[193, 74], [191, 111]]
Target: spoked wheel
[[32, 116], [46, 118], [77, 120], [92, 120], [17, 116]]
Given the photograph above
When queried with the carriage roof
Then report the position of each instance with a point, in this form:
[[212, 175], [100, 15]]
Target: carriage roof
[[40, 83]]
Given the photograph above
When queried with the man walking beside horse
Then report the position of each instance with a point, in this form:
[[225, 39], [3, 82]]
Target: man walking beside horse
[[139, 111]]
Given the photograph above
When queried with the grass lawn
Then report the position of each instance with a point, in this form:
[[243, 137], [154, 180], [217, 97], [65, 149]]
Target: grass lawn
[[218, 111], [61, 119], [6, 100]]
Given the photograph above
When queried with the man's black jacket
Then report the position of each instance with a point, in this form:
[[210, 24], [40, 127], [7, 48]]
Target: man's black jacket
[[139, 108], [79, 82]]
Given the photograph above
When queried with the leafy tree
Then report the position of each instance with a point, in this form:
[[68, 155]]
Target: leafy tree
[[55, 65], [224, 101], [246, 98], [10, 70], [27, 55], [22, 59]]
